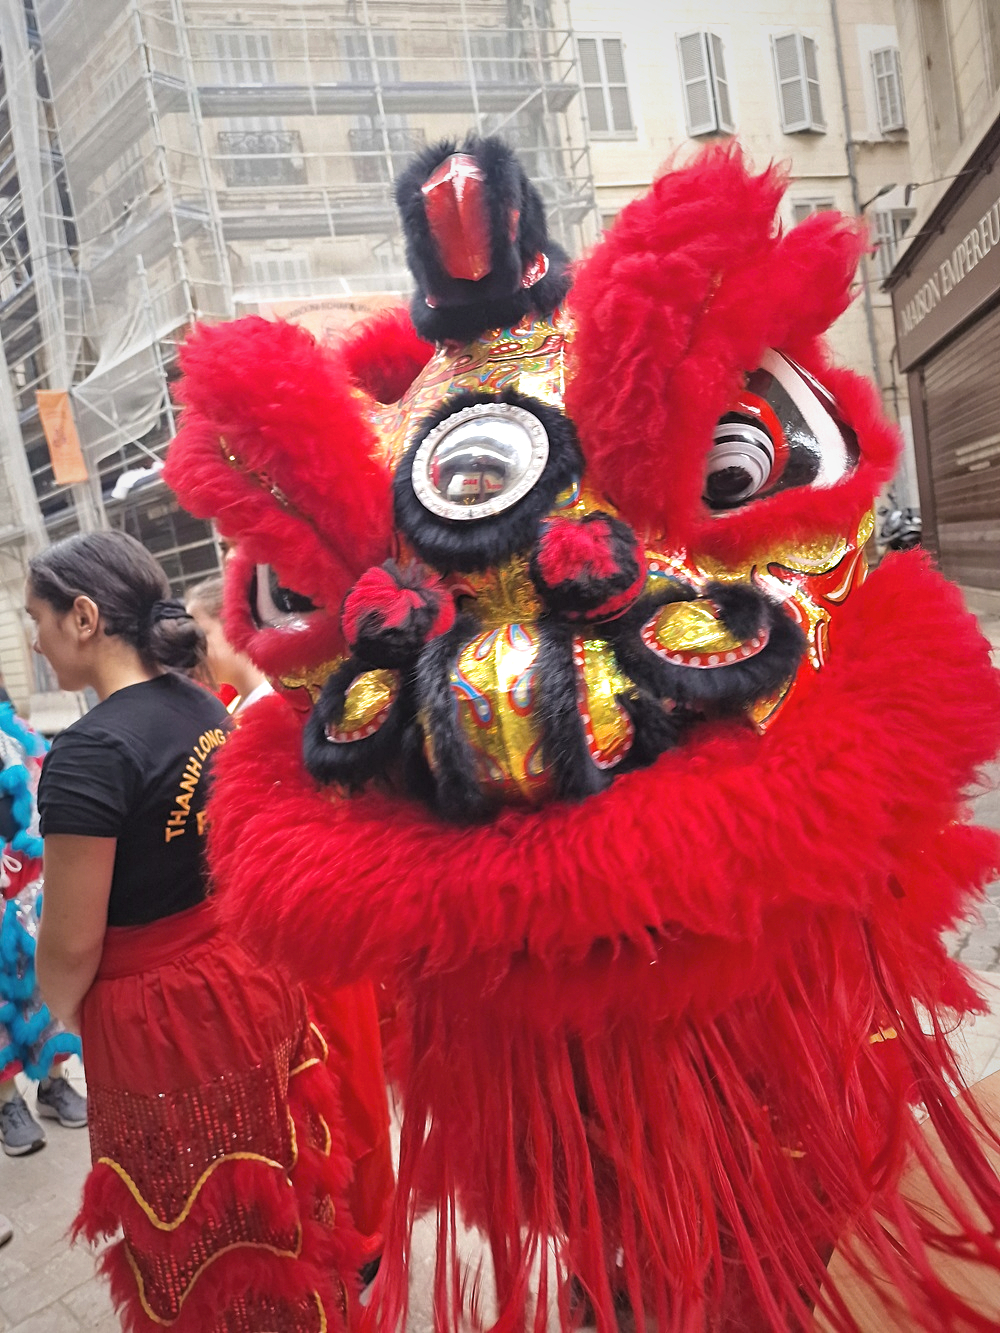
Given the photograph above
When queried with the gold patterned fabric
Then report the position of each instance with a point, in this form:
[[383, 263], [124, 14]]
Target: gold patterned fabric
[[210, 1106]]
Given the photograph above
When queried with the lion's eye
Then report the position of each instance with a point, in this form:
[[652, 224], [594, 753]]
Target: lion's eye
[[783, 430], [273, 605], [740, 462], [480, 461]]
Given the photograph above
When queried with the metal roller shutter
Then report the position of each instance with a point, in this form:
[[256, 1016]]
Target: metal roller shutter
[[962, 398]]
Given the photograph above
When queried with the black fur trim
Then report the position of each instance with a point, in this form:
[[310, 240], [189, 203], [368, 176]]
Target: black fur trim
[[727, 688], [475, 544], [657, 729], [458, 795], [398, 645], [466, 308], [586, 594], [564, 745], [352, 762], [651, 674], [742, 683]]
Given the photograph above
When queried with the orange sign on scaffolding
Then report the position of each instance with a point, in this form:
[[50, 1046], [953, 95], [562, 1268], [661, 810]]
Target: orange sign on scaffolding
[[56, 414]]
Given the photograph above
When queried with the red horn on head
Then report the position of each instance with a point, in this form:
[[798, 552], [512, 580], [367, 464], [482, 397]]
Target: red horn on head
[[456, 214]]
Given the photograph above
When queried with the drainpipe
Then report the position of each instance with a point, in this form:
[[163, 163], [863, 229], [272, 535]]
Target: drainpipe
[[855, 193]]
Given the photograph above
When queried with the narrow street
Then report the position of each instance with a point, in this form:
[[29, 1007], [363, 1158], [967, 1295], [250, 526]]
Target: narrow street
[[48, 1287]]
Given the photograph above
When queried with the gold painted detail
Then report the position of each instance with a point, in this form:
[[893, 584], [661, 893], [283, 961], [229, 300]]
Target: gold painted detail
[[165, 1322], [210, 1170], [327, 1136], [311, 679], [503, 595], [530, 357], [322, 1041], [883, 1034], [323, 1325], [816, 556], [493, 683], [762, 712], [865, 528], [369, 699], [600, 682], [664, 566], [693, 627], [306, 1064]]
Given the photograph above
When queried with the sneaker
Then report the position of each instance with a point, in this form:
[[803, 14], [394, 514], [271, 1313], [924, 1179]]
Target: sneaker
[[59, 1100], [20, 1132], [6, 1230]]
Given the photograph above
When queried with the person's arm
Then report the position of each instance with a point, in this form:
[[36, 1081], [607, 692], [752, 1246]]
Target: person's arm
[[78, 873]]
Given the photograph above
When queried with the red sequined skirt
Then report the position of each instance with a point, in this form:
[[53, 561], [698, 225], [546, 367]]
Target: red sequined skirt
[[216, 1139]]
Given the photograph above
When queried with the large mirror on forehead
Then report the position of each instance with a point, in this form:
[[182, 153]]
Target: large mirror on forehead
[[479, 461]]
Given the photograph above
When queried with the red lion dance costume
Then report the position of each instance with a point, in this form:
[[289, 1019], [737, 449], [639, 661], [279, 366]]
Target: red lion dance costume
[[584, 693]]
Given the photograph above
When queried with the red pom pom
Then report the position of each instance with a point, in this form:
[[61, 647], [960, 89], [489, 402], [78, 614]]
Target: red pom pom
[[390, 596], [378, 592], [568, 548]]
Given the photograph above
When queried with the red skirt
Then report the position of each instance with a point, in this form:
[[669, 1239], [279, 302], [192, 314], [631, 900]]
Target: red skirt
[[216, 1139]]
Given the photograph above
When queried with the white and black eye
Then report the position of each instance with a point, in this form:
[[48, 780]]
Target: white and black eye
[[784, 430], [274, 606], [740, 462], [480, 461]]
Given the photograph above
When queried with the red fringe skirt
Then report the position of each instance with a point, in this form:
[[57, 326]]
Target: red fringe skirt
[[215, 1137]]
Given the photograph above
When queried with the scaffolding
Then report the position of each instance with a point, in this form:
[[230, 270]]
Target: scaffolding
[[167, 161]]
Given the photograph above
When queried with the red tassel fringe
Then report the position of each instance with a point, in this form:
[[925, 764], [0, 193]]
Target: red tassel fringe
[[292, 1293]]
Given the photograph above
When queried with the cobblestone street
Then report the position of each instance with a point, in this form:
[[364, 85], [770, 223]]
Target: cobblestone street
[[47, 1287]]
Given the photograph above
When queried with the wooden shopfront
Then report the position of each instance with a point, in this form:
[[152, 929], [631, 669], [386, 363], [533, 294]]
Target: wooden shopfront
[[946, 303]]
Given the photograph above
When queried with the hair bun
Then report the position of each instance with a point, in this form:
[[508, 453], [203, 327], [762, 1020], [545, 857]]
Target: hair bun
[[167, 610]]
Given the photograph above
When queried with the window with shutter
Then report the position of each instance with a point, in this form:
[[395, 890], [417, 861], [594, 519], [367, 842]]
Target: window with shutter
[[282, 273], [812, 84], [371, 56], [720, 83], [243, 56], [493, 56], [707, 106], [804, 208], [699, 106], [888, 89], [254, 150], [605, 89], [797, 74], [889, 226]]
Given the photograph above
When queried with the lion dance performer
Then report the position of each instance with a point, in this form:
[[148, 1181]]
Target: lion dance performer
[[561, 579]]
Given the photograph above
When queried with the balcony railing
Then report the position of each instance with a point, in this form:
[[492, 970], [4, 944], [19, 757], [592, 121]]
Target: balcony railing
[[262, 157], [368, 151]]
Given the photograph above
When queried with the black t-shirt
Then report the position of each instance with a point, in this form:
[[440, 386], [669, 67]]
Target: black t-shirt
[[136, 768]]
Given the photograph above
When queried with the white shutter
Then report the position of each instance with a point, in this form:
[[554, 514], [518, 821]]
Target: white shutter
[[791, 82], [282, 273], [816, 121], [888, 89], [884, 241], [696, 80], [797, 75], [723, 106], [614, 78], [605, 91], [244, 56], [593, 85], [805, 208]]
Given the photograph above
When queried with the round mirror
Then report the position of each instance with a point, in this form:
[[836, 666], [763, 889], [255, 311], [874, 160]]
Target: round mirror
[[480, 461]]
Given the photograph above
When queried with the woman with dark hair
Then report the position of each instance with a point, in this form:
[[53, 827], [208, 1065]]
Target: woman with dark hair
[[214, 1120]]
